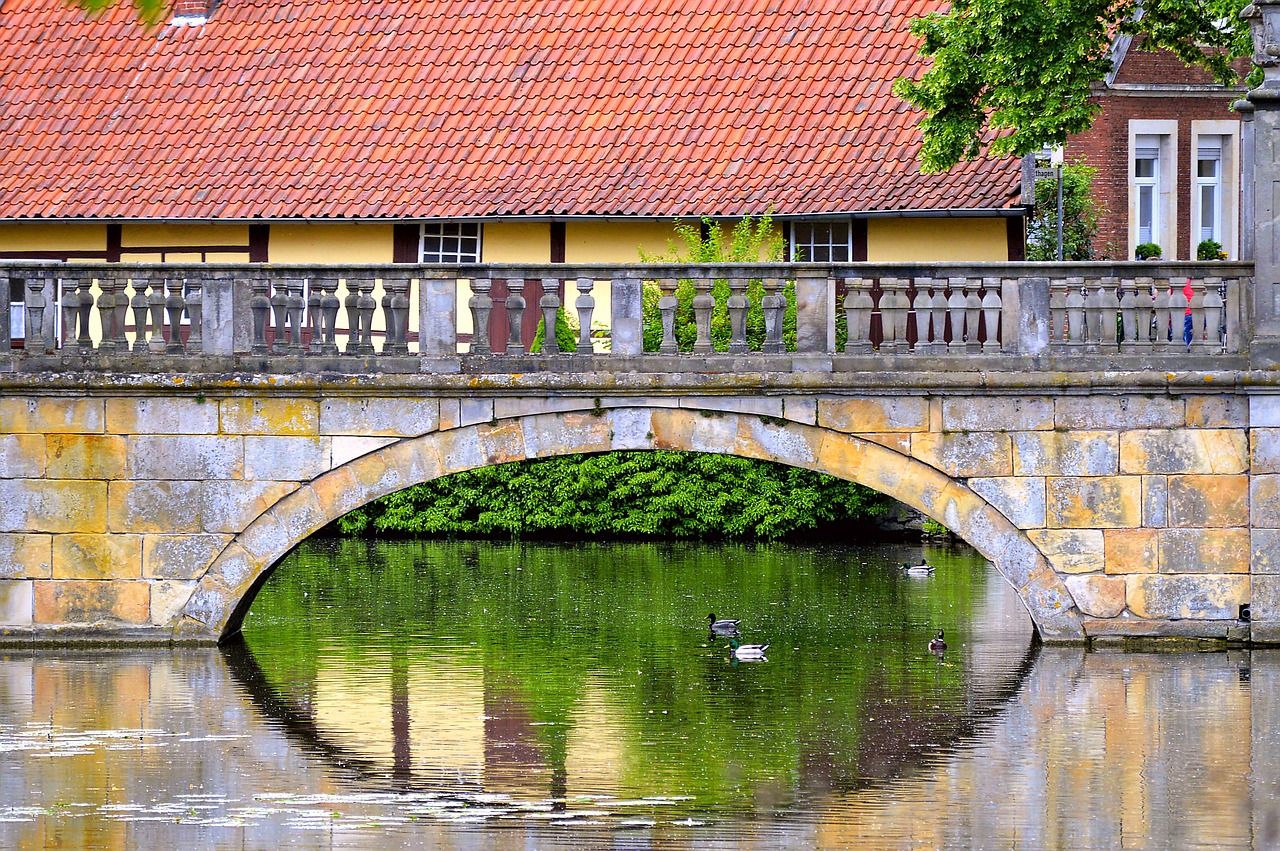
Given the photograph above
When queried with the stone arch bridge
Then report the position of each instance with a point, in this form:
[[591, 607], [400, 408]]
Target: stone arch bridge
[[1107, 435]]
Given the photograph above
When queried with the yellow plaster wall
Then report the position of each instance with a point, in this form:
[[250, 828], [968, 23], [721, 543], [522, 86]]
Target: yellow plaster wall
[[516, 242], [149, 235], [923, 240], [52, 237], [614, 242], [354, 242]]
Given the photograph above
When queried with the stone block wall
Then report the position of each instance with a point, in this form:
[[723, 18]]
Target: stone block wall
[[155, 515]]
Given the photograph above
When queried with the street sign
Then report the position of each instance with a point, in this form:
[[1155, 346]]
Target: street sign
[[1046, 173]]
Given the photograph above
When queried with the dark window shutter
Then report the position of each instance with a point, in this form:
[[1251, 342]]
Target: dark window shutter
[[405, 243], [859, 241], [557, 242], [259, 239]]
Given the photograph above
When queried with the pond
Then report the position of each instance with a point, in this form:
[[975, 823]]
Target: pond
[[494, 695]]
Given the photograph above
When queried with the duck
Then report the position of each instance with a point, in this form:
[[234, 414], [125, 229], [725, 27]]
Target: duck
[[723, 626], [938, 645], [921, 569], [747, 651]]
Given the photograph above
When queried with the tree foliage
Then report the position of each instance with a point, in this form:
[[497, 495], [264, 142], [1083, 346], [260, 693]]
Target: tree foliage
[[149, 12], [1015, 75], [1079, 217], [621, 494]]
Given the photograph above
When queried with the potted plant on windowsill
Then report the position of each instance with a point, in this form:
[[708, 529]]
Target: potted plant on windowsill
[[1210, 249], [1147, 251]]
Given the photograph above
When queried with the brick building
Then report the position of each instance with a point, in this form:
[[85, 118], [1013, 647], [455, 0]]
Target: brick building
[[1167, 149]]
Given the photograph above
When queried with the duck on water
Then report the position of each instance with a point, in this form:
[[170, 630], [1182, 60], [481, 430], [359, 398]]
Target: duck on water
[[748, 652], [723, 626], [921, 569]]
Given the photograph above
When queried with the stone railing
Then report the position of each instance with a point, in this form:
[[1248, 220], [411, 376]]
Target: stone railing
[[271, 315]]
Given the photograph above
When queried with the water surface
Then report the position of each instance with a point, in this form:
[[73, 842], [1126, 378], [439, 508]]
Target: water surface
[[488, 696]]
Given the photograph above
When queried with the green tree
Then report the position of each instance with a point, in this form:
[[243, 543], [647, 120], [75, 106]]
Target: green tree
[[1079, 217], [150, 12], [1015, 75]]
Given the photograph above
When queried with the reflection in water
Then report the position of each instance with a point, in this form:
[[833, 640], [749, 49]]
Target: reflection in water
[[427, 728]]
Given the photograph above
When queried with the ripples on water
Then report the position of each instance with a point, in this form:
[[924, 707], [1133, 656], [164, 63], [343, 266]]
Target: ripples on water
[[481, 696]]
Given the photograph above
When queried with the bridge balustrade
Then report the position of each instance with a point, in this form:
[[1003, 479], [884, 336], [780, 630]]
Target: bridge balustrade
[[476, 316]]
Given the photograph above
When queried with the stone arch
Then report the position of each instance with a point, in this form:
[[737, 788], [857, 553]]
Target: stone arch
[[224, 593]]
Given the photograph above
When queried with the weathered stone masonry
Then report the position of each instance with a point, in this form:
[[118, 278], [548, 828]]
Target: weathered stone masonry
[[153, 512]]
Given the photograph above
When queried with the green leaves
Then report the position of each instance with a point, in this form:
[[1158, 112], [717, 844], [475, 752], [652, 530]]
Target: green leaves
[[1079, 217], [621, 494], [1012, 76]]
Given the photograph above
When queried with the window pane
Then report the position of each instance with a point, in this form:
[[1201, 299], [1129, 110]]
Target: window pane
[[1144, 167], [1146, 213], [1207, 168], [1208, 213]]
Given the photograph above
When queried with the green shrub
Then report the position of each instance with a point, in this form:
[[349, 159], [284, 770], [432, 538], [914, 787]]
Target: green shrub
[[1147, 250], [1210, 249]]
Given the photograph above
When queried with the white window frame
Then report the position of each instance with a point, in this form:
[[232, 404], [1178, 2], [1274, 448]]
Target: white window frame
[[451, 230], [1225, 136], [17, 311], [830, 244], [1162, 136]]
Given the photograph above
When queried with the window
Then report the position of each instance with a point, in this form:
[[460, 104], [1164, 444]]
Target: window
[[821, 242], [450, 242], [1146, 181], [17, 306], [1209, 187]]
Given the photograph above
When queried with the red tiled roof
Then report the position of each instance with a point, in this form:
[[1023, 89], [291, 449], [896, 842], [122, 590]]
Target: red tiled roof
[[456, 108]]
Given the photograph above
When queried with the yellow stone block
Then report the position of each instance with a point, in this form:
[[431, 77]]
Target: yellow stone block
[[1070, 550], [554, 435], [501, 442], [1094, 502], [77, 556], [24, 556], [841, 456], [965, 454], [770, 441], [1201, 450], [269, 416], [875, 414], [1065, 453], [85, 456], [897, 442], [44, 415], [167, 600], [1203, 597], [21, 456], [161, 415], [1132, 550], [672, 429], [81, 602], [1208, 500], [1217, 411], [43, 505]]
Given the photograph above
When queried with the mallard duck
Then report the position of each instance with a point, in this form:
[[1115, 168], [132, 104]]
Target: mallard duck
[[723, 626], [747, 651], [921, 569], [938, 645]]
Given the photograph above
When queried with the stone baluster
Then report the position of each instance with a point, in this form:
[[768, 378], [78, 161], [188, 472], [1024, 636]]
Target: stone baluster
[[280, 316], [70, 303], [157, 295], [991, 309], [550, 305], [329, 306], [515, 304], [33, 312], [703, 304], [1092, 315], [315, 316], [1075, 313], [1212, 305], [1128, 314], [139, 306], [295, 306], [107, 285], [260, 306], [920, 306], [1110, 312], [938, 310], [195, 313], [351, 306], [1058, 312], [955, 312], [120, 316], [585, 305], [667, 305], [397, 316], [85, 309], [481, 305], [1197, 314], [365, 307], [893, 315], [1178, 305], [972, 315], [1145, 298], [737, 305], [857, 311], [1163, 304], [174, 305]]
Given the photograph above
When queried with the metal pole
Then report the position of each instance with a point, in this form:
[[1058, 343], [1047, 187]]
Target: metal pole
[[1059, 213]]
